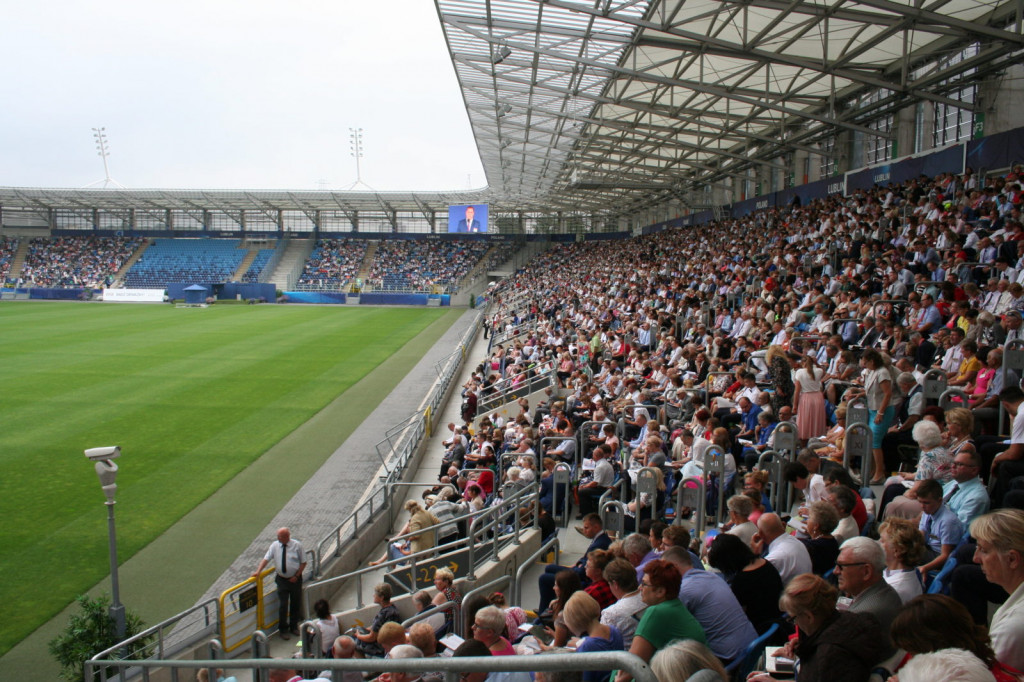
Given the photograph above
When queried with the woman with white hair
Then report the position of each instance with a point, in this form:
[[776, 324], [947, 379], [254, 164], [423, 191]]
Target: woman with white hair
[[946, 665], [488, 626], [899, 501], [683, 659]]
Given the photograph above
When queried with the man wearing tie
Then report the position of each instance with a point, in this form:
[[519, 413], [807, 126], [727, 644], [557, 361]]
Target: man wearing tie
[[965, 494], [290, 561], [469, 224]]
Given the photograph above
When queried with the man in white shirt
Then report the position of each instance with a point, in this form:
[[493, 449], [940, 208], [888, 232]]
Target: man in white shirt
[[625, 613], [289, 560], [787, 554]]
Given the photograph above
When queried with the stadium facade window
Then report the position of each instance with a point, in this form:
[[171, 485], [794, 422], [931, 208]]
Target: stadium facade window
[[374, 221], [335, 221], [259, 221], [114, 220], [417, 223], [69, 219], [187, 221], [223, 221], [870, 149], [150, 220], [952, 123], [298, 221], [828, 167]]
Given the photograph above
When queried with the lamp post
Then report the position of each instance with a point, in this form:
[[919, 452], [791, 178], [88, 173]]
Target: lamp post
[[106, 469]]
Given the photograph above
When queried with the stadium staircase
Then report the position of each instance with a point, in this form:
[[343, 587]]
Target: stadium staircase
[[481, 265], [364, 267], [288, 269], [243, 267], [119, 275], [18, 262]]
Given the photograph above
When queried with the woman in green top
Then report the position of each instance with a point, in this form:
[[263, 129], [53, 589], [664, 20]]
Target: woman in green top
[[665, 619]]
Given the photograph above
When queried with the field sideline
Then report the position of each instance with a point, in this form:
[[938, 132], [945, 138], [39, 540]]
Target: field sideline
[[192, 396]]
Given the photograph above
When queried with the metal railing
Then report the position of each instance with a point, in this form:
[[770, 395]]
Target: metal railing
[[517, 584], [451, 667], [167, 638], [379, 499], [507, 392], [489, 519]]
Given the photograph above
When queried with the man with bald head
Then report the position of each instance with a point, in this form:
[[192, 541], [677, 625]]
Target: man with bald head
[[289, 561], [344, 648], [787, 554]]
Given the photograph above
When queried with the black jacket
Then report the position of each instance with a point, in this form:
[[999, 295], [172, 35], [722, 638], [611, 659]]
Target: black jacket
[[846, 649]]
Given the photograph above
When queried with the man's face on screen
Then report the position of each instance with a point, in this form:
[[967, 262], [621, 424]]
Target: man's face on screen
[[470, 211]]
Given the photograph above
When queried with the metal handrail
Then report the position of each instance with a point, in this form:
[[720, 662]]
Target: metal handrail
[[450, 666], [517, 590], [461, 543], [158, 630], [501, 398]]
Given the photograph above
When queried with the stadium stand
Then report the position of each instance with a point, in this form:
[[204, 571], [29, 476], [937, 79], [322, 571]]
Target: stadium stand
[[185, 260], [405, 264], [76, 261], [8, 247], [333, 263], [701, 328]]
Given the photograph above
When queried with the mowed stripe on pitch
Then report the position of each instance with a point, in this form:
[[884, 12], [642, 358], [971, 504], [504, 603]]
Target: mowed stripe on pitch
[[192, 396]]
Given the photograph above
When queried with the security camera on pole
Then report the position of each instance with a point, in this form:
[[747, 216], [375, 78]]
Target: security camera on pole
[[106, 469]]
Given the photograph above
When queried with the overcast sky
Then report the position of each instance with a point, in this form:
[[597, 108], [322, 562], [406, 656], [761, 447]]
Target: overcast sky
[[231, 94]]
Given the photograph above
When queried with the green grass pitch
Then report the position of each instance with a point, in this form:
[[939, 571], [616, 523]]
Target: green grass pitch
[[192, 396]]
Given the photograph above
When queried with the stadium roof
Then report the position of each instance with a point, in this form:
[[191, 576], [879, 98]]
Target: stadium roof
[[613, 105], [234, 200]]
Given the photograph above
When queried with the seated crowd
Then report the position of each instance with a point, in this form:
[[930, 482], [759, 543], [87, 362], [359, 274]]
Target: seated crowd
[[75, 261], [651, 596], [667, 348], [8, 247], [419, 264], [333, 263]]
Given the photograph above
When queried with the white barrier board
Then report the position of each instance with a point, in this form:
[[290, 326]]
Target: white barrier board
[[134, 295]]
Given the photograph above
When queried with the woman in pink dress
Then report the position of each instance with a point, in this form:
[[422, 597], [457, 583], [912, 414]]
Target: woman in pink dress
[[808, 400]]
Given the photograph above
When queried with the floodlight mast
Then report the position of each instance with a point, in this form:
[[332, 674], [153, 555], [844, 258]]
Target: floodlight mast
[[103, 151], [355, 138]]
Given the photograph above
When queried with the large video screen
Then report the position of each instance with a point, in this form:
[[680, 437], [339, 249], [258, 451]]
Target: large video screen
[[471, 218]]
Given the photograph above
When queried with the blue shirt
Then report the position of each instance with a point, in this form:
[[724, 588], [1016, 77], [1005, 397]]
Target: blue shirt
[[931, 320], [712, 602], [969, 501], [749, 419], [941, 528], [613, 643]]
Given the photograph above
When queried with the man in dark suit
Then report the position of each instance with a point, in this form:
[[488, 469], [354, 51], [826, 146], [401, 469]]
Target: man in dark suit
[[469, 224], [593, 530]]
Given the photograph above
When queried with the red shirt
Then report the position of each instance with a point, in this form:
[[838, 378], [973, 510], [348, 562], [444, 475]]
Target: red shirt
[[601, 592], [860, 513]]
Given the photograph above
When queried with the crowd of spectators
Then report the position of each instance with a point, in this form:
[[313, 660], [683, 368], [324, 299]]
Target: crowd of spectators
[[421, 264], [8, 249], [333, 263], [663, 346], [76, 261]]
